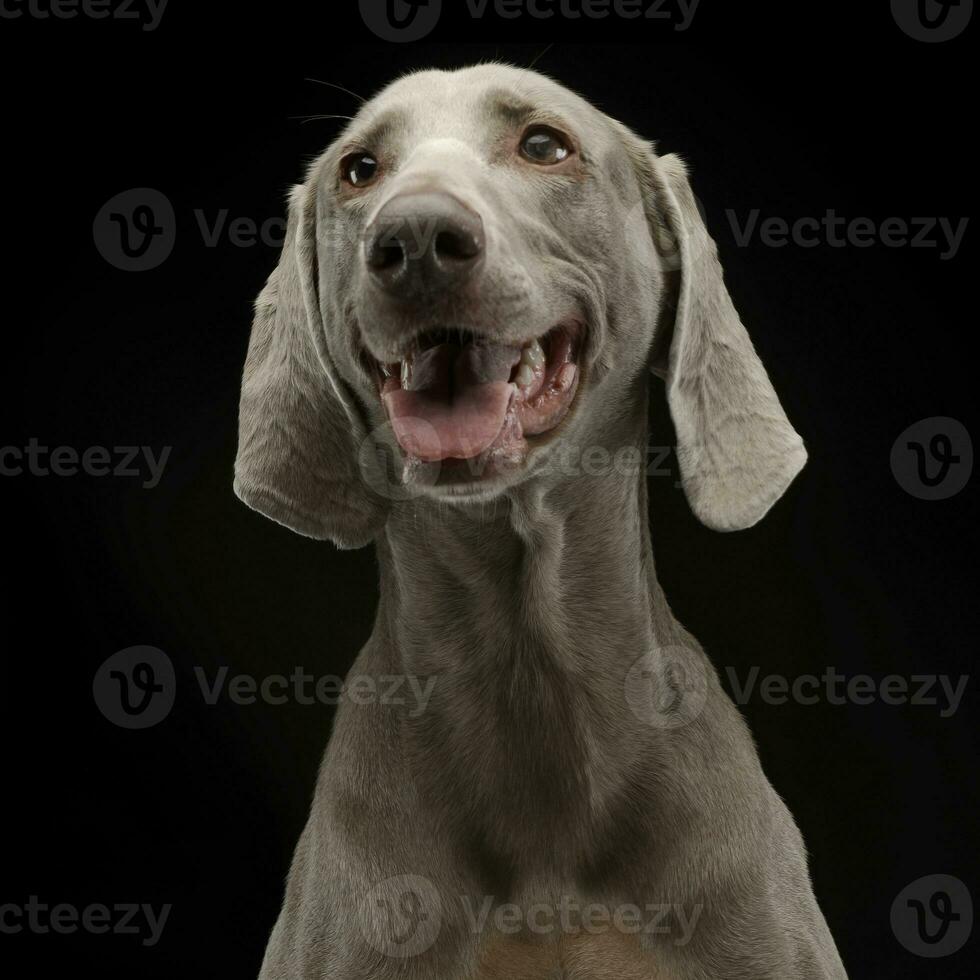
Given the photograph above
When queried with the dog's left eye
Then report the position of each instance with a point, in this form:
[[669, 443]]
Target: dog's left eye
[[545, 146]]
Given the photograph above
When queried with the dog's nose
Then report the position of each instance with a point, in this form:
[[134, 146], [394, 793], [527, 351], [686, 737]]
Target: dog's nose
[[420, 243]]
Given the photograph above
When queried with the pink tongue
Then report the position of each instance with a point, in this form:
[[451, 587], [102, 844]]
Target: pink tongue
[[455, 403]]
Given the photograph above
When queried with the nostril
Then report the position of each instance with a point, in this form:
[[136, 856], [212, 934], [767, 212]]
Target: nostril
[[456, 246], [386, 251], [385, 257]]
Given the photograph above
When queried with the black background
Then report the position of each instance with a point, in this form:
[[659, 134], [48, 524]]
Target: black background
[[789, 108]]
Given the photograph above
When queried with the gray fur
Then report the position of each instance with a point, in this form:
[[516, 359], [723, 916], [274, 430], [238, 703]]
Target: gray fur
[[532, 776]]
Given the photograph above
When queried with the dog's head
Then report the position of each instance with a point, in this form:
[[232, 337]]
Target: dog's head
[[481, 266]]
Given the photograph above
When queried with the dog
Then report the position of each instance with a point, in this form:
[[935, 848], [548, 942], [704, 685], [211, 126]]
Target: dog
[[481, 278]]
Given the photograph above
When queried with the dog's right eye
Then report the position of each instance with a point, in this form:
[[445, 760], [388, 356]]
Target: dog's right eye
[[359, 169]]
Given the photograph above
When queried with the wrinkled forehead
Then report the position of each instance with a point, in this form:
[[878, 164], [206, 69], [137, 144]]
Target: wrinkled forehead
[[472, 104]]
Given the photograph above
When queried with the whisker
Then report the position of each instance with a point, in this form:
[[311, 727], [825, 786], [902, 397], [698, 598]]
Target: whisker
[[306, 119], [540, 56], [339, 88]]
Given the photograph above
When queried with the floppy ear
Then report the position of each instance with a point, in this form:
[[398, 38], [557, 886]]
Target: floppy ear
[[737, 450], [298, 427]]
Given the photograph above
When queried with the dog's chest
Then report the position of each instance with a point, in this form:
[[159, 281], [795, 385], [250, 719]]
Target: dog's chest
[[525, 743], [526, 746]]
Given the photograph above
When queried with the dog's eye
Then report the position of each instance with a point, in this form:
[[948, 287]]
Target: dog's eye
[[544, 146], [359, 169]]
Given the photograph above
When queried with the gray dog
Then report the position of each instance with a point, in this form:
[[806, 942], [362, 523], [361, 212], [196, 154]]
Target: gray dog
[[452, 361]]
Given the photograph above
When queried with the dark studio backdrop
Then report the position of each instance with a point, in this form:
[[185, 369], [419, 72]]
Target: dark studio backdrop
[[783, 111]]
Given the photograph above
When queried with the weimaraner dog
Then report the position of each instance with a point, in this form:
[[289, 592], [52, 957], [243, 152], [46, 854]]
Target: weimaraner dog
[[452, 360]]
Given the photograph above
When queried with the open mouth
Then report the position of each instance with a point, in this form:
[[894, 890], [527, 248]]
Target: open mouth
[[461, 396]]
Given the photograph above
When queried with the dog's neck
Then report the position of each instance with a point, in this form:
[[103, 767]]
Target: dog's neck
[[561, 564], [526, 616]]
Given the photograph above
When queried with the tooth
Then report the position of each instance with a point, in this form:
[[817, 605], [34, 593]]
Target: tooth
[[534, 354], [525, 375], [406, 372]]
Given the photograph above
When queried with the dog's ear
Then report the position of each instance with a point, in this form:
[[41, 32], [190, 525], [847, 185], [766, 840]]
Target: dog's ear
[[736, 449], [299, 431]]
